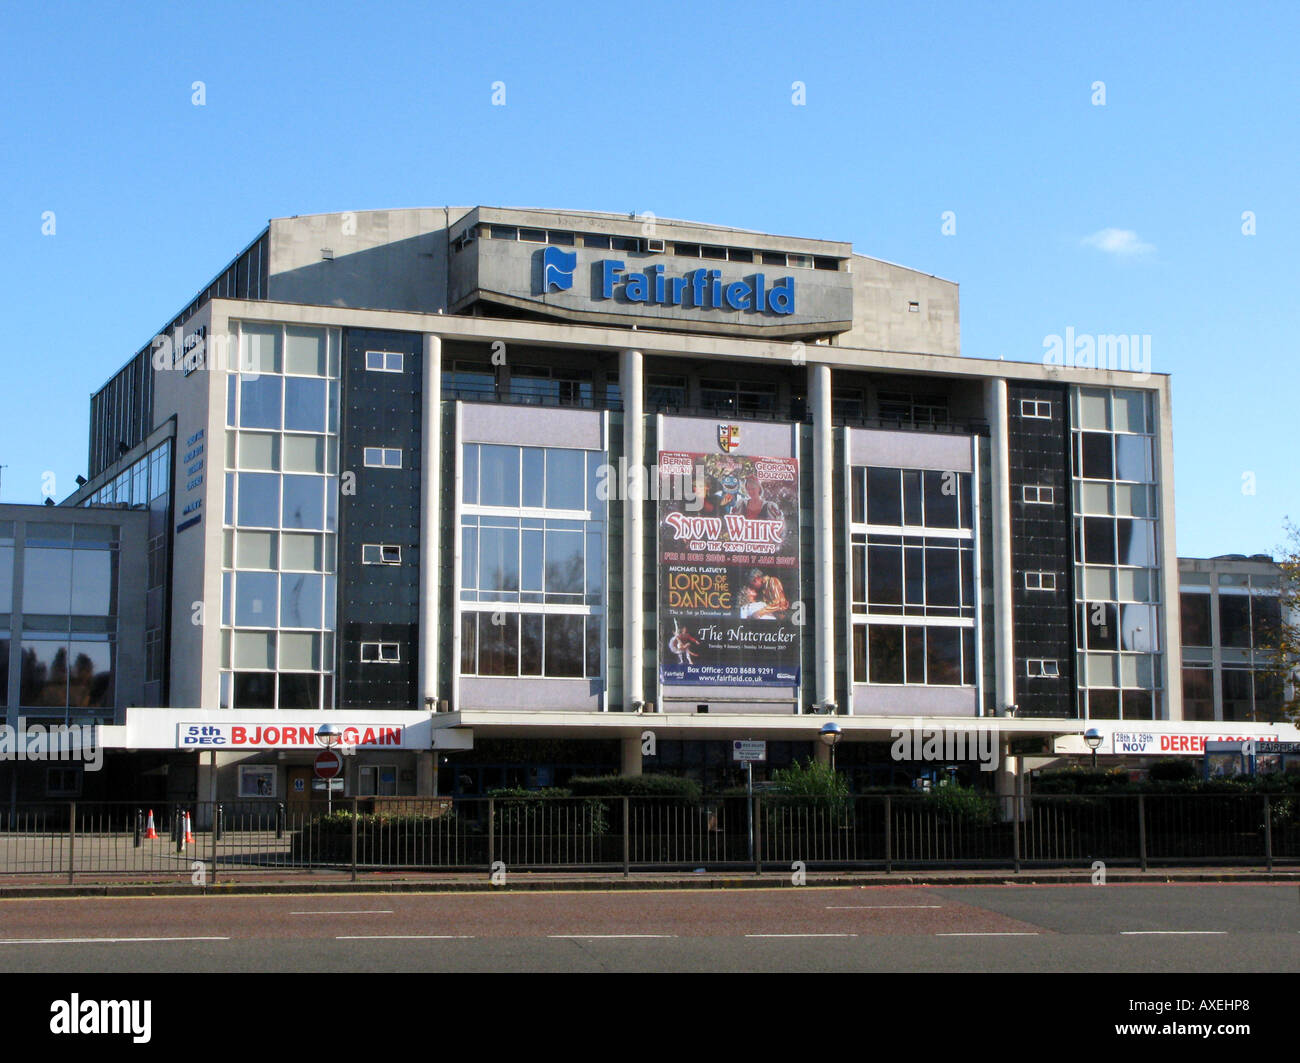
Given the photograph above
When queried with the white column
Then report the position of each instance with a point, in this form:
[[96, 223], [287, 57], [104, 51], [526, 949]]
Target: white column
[[631, 754], [430, 541], [630, 387], [1004, 671], [819, 399]]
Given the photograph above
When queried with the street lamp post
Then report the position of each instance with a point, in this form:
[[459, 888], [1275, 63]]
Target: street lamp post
[[329, 736], [831, 735], [1093, 737]]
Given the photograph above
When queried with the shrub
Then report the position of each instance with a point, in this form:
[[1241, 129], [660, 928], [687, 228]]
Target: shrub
[[966, 806], [810, 779], [687, 790]]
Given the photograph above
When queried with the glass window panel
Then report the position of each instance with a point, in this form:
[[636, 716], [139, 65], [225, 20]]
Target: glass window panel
[[43, 682], [884, 497], [1138, 628], [299, 651], [159, 469], [92, 583], [593, 646], [912, 497], [499, 476], [1130, 411], [254, 649], [1265, 618], [942, 492], [564, 646], [1099, 540], [47, 580], [299, 551], [1103, 704], [1099, 583], [1237, 688], [300, 600], [304, 404], [595, 566], [6, 579], [304, 454], [1234, 620], [1097, 625], [254, 690], [498, 644], [1134, 500], [859, 573], [942, 585], [943, 656], [886, 653], [256, 599], [1094, 408], [469, 643], [259, 401], [565, 479], [885, 575], [858, 492], [469, 475], [914, 575], [1137, 542], [914, 653], [258, 450], [304, 502], [564, 566], [534, 468], [1133, 458], [90, 675], [968, 656], [533, 552], [259, 500], [1138, 705], [498, 560], [229, 498], [859, 653], [232, 382], [1135, 585], [1198, 693], [231, 460], [299, 691], [261, 353], [1129, 670], [1095, 498], [227, 597], [530, 643], [1095, 455], [304, 351]]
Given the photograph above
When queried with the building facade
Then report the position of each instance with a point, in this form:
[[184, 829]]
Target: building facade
[[560, 493]]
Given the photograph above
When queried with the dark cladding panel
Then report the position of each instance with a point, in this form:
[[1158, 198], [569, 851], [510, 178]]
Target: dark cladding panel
[[377, 602], [1041, 541]]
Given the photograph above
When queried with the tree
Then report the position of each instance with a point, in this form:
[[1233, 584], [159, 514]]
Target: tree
[[1280, 637]]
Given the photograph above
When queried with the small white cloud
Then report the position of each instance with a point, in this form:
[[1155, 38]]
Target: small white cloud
[[1123, 243]]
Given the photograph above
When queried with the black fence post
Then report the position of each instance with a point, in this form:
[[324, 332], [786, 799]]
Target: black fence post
[[218, 822], [216, 836], [139, 827], [889, 835], [178, 817], [1142, 831], [1268, 833], [72, 839], [279, 821], [492, 833], [758, 835], [1015, 831], [627, 865], [354, 839]]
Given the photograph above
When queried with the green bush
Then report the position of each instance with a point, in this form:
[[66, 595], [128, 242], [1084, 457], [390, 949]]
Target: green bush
[[1173, 769], [810, 779], [963, 805], [687, 790]]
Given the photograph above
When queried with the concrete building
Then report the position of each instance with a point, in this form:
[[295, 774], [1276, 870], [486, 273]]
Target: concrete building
[[520, 494]]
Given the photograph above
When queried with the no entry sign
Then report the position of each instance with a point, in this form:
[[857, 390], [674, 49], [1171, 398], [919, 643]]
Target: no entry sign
[[328, 764]]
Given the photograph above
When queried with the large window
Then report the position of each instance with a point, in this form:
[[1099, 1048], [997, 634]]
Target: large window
[[279, 582], [533, 553], [1117, 555], [913, 577]]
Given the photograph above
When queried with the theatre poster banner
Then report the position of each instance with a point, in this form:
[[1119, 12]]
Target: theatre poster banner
[[728, 570]]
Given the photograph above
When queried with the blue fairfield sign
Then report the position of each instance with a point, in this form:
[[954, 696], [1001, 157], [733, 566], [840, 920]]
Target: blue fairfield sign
[[702, 289]]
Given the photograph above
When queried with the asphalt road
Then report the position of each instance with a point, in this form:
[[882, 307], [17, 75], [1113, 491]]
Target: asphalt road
[[1118, 928]]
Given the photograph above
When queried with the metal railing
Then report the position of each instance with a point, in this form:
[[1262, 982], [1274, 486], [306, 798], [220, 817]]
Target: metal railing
[[766, 832]]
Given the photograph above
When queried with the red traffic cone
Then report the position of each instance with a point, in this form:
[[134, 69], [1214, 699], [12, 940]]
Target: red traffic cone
[[189, 830], [150, 833]]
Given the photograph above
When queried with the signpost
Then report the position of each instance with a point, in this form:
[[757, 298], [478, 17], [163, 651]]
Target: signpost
[[328, 765], [747, 752]]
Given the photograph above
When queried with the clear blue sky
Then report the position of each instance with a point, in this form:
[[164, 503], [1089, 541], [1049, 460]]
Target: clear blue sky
[[684, 109]]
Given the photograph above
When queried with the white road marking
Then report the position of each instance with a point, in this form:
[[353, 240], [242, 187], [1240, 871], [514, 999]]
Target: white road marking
[[864, 907], [351, 911], [603, 937], [1140, 933], [989, 934], [404, 937], [98, 941], [801, 935]]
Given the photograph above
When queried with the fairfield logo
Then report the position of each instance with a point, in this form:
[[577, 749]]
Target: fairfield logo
[[701, 289], [557, 269]]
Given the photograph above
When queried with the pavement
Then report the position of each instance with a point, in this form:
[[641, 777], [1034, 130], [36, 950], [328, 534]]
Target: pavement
[[187, 881]]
